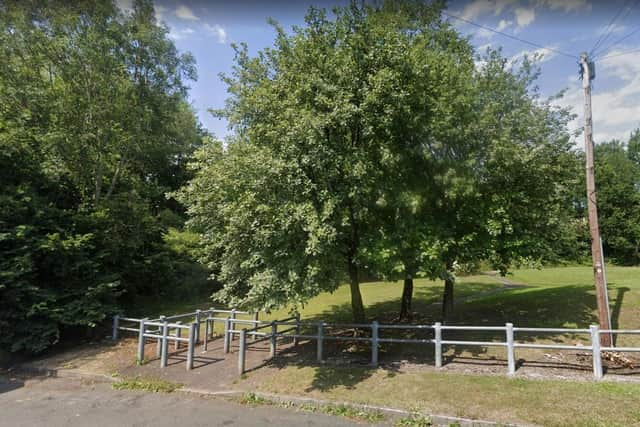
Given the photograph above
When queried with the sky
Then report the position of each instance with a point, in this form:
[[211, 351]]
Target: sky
[[208, 29]]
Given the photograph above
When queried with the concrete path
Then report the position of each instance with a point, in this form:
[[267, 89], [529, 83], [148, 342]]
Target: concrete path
[[55, 402]]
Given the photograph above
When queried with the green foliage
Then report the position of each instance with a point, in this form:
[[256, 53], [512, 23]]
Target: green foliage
[[617, 171], [152, 385], [94, 129], [413, 420]]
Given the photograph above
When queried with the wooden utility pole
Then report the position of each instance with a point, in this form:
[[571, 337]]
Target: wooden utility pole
[[596, 248]]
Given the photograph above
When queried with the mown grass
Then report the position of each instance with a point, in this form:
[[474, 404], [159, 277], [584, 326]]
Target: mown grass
[[548, 403]]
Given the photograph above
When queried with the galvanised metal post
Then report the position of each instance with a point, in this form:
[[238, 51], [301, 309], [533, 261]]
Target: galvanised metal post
[[227, 327], [274, 332], [212, 314], [437, 330], [297, 330], [192, 343], [241, 356], [176, 345], [116, 325], [159, 342], [374, 343], [233, 324], [205, 344], [595, 347], [164, 355], [198, 323], [320, 339], [141, 341], [255, 326], [511, 354]]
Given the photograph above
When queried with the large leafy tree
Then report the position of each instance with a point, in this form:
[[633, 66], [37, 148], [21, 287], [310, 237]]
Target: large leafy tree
[[344, 113], [94, 128]]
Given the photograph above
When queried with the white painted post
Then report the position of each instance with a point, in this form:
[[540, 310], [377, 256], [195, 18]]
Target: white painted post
[[241, 356], [192, 343], [374, 343], [274, 332], [595, 346], [233, 324], [297, 330], [116, 325], [511, 354], [198, 312], [176, 345], [437, 329], [320, 339], [159, 342], [164, 355], [141, 342]]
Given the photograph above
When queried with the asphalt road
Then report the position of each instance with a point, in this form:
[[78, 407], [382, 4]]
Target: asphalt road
[[74, 402]]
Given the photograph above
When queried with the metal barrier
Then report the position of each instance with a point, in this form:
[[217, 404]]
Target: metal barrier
[[161, 330]]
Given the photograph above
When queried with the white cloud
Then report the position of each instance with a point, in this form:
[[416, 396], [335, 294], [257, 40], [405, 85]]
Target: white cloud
[[218, 31], [565, 5], [183, 12], [524, 16], [478, 8], [160, 10], [503, 24], [180, 34], [616, 111], [542, 55]]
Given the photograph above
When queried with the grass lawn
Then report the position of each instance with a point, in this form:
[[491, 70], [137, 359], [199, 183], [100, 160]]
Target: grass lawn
[[548, 403], [552, 297]]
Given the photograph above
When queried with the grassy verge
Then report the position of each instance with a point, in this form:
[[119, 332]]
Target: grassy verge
[[152, 385], [549, 403]]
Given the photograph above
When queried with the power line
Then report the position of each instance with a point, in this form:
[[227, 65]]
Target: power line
[[509, 35], [609, 28], [593, 51]]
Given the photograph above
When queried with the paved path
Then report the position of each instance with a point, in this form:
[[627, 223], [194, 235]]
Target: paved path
[[72, 402]]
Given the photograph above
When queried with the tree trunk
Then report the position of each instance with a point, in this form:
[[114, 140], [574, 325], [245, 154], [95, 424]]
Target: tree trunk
[[447, 297], [356, 297], [407, 298]]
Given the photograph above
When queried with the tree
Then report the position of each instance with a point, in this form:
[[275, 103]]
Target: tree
[[618, 180], [84, 164], [340, 108]]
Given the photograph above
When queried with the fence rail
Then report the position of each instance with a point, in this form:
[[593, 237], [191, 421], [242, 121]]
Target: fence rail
[[164, 331]]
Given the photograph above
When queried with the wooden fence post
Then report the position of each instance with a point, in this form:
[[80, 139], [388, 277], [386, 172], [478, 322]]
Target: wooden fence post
[[192, 343], [597, 356], [274, 332], [141, 341], [437, 329], [227, 328], [241, 356], [320, 339], [116, 325], [374, 343], [511, 353], [164, 355], [297, 330]]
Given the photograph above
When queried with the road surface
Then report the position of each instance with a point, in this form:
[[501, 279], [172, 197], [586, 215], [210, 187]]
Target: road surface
[[73, 402]]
